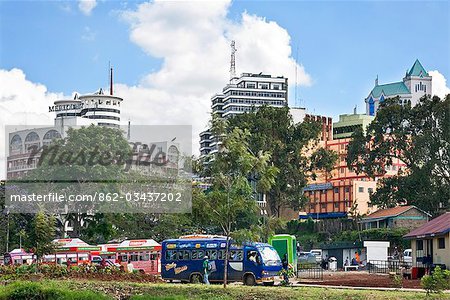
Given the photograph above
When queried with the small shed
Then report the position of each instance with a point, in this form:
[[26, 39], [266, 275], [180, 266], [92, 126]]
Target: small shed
[[343, 251]]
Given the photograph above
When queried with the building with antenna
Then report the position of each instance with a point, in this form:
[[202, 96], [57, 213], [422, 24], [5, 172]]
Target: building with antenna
[[97, 108]]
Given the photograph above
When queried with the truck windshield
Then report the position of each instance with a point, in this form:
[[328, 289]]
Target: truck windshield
[[269, 256]]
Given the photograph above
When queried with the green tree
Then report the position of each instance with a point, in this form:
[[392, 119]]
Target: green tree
[[231, 194], [43, 234], [293, 149], [418, 136]]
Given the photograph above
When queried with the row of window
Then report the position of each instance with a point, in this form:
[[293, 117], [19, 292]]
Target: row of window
[[213, 254], [255, 102], [256, 94], [419, 244], [137, 256], [346, 189]]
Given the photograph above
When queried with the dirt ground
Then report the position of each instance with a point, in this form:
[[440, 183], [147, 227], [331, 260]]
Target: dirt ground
[[360, 278]]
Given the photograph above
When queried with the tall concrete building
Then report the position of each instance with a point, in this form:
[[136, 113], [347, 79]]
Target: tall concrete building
[[244, 94], [416, 83]]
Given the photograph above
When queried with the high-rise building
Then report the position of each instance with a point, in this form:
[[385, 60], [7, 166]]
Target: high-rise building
[[416, 83], [242, 95], [348, 123]]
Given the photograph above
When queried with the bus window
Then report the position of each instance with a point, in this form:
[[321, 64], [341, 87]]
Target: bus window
[[134, 257], [236, 255], [144, 256], [186, 255], [194, 254], [123, 257], [200, 254], [171, 255], [180, 254], [222, 254], [212, 254], [153, 256]]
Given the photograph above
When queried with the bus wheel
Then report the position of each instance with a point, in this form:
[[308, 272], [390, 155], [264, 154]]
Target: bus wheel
[[196, 278], [249, 279]]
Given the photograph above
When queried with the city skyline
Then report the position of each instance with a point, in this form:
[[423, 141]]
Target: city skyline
[[171, 57]]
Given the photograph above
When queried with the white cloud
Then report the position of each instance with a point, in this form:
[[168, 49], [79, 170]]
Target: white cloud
[[439, 84], [86, 6], [22, 102], [193, 39]]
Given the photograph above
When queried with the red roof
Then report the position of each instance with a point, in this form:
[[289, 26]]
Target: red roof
[[389, 212], [437, 226]]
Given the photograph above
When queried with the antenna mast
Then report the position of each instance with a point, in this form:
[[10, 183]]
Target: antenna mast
[[110, 80], [233, 60]]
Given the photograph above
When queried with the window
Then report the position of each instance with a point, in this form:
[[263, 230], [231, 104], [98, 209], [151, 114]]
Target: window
[[360, 189], [194, 254], [370, 190], [144, 256], [441, 243], [134, 257], [323, 205], [336, 205], [419, 245], [222, 254], [336, 190], [324, 192], [212, 254], [347, 189], [342, 170], [236, 255]]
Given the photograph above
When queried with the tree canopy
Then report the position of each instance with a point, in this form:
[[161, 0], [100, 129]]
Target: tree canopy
[[419, 136]]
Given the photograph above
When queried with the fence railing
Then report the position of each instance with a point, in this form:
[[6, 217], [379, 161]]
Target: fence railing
[[388, 266], [309, 271]]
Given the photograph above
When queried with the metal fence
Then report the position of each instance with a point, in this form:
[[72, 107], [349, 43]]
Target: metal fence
[[388, 266], [309, 271]]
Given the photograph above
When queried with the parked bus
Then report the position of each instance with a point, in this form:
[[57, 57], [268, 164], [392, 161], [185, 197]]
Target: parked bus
[[251, 263], [18, 257], [144, 255]]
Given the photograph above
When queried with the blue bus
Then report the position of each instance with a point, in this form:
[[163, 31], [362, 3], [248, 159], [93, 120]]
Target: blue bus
[[251, 263]]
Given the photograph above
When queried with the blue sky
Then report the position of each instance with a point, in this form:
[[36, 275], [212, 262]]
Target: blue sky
[[342, 45]]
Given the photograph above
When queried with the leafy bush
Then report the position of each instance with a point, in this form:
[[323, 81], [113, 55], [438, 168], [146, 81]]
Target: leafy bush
[[436, 282], [31, 290]]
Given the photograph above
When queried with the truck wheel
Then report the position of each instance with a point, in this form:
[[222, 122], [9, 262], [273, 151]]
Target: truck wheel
[[249, 279], [196, 278]]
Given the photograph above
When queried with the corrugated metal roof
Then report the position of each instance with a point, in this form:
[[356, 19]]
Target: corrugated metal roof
[[389, 212], [437, 226]]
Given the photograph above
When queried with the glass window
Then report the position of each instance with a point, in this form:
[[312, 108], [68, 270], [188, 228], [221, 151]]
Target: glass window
[[336, 190], [441, 243], [336, 205], [361, 189], [347, 189], [194, 254], [187, 255], [419, 245], [236, 255], [212, 254], [221, 254], [370, 190], [323, 205], [200, 254], [144, 256], [134, 257]]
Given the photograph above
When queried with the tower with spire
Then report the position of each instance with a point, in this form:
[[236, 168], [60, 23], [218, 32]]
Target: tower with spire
[[416, 83]]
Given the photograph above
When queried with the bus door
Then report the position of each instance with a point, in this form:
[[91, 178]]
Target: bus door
[[236, 264], [252, 261]]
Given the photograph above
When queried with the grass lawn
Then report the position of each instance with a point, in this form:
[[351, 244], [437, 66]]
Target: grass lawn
[[56, 289]]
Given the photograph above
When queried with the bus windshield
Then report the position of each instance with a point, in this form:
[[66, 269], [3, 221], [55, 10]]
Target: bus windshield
[[269, 256]]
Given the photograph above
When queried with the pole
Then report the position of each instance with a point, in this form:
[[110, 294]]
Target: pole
[[7, 232]]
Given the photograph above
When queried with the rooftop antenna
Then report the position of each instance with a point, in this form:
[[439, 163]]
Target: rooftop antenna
[[129, 130], [233, 60], [296, 81], [110, 79]]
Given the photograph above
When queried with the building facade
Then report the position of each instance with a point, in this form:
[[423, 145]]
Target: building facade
[[97, 109], [408, 216], [244, 94], [347, 124], [416, 83]]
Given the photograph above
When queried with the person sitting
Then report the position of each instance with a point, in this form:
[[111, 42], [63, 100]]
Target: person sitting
[[354, 262]]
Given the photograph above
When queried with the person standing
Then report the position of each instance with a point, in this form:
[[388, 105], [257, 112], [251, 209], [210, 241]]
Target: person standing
[[358, 261], [206, 268]]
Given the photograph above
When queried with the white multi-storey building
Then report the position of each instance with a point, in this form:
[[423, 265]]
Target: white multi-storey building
[[97, 109], [242, 95], [416, 83]]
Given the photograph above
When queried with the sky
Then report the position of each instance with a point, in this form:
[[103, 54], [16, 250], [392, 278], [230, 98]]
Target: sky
[[170, 57]]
